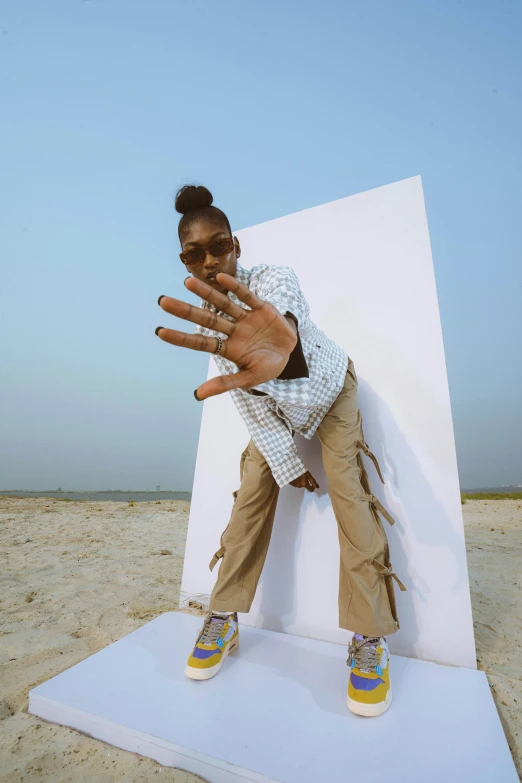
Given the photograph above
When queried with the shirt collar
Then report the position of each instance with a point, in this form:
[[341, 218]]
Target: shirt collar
[[242, 274]]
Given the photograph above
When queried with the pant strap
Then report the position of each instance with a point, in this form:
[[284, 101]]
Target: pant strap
[[364, 446], [387, 571], [377, 503], [219, 554]]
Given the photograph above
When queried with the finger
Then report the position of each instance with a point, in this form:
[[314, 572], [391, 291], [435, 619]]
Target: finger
[[314, 481], [196, 342], [309, 484], [219, 300], [243, 293], [196, 314], [244, 379], [302, 481]]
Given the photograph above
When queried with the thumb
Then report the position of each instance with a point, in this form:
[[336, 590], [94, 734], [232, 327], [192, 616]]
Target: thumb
[[244, 379]]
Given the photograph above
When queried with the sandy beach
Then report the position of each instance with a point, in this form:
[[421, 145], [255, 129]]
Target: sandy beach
[[78, 575]]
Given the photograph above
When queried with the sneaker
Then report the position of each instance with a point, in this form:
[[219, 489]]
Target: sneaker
[[218, 637], [369, 689]]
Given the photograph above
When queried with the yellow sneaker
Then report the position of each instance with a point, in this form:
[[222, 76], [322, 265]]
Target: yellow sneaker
[[369, 688], [218, 637]]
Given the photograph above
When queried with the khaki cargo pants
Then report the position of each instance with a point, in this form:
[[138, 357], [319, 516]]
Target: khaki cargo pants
[[366, 596]]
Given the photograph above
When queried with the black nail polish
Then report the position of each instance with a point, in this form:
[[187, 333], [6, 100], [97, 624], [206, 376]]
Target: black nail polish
[[196, 396], [158, 328], [161, 297]]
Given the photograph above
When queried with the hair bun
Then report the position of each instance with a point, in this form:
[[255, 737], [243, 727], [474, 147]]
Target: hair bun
[[191, 197]]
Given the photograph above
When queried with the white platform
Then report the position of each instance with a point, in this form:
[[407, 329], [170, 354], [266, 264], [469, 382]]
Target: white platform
[[277, 712]]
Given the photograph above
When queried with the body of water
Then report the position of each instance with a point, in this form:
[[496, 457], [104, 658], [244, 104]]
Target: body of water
[[141, 496], [499, 490]]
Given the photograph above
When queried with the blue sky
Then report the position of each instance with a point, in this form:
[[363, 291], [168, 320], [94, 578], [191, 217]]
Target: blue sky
[[108, 106]]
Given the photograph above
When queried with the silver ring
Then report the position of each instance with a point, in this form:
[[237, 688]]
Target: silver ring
[[219, 345]]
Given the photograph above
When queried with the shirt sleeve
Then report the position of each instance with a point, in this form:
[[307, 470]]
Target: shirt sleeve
[[280, 286], [271, 435]]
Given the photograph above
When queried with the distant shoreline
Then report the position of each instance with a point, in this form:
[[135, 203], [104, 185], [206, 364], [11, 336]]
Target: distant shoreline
[[509, 490], [100, 494], [99, 491], [174, 494]]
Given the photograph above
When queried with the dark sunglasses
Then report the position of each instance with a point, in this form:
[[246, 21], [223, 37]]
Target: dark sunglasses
[[220, 247]]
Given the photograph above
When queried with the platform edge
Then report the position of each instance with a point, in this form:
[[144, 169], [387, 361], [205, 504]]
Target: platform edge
[[124, 738]]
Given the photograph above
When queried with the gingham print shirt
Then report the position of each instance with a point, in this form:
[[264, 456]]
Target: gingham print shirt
[[293, 405]]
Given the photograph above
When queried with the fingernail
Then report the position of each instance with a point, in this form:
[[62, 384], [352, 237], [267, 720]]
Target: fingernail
[[185, 280], [196, 396], [161, 297], [158, 328]]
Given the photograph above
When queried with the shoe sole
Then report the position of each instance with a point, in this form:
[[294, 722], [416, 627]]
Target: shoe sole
[[206, 674], [370, 710]]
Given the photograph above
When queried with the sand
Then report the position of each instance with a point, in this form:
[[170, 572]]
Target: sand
[[494, 546], [77, 575]]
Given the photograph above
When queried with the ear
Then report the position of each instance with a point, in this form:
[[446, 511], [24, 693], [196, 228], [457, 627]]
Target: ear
[[238, 247]]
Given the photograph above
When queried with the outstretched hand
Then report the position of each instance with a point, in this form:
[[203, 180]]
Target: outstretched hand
[[259, 341]]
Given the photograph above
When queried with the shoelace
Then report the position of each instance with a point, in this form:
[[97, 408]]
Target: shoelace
[[212, 629], [364, 654]]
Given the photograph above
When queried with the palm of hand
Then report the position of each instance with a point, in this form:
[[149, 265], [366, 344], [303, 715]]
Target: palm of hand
[[259, 340], [261, 344]]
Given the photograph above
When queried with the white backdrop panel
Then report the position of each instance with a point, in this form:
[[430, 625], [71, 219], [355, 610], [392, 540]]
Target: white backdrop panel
[[365, 266]]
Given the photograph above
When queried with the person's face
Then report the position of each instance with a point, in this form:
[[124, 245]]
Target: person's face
[[200, 234]]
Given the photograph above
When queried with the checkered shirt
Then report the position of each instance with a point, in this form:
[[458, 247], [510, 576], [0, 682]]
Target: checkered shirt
[[293, 405]]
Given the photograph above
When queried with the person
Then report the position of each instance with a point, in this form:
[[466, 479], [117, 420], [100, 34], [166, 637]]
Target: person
[[285, 376]]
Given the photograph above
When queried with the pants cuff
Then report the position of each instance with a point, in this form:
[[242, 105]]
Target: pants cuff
[[371, 630]]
